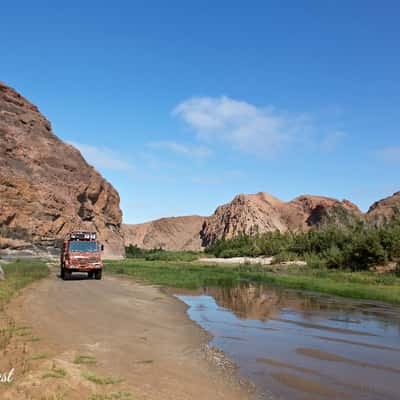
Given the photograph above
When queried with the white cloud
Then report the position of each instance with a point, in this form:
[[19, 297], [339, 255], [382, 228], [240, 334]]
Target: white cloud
[[331, 141], [102, 157], [179, 148], [256, 130], [390, 154]]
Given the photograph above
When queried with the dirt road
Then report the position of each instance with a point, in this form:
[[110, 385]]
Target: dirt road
[[132, 332]]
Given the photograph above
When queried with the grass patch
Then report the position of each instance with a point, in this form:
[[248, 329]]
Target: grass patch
[[32, 339], [345, 285], [100, 380], [193, 275], [39, 356], [53, 396], [54, 372], [19, 274], [179, 274], [23, 331], [85, 359], [112, 396]]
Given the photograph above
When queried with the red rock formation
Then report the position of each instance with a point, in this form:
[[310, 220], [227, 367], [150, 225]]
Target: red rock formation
[[385, 210], [175, 233], [307, 210], [246, 214], [46, 187], [262, 212]]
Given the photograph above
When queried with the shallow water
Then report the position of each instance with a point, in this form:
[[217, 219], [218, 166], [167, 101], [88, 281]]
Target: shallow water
[[295, 345]]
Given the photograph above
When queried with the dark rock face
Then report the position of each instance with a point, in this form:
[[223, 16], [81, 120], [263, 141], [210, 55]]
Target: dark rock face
[[46, 187], [385, 210]]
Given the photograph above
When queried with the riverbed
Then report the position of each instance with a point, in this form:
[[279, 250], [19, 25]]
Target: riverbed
[[295, 345]]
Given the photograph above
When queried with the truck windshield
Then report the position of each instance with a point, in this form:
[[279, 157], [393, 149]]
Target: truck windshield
[[83, 247]]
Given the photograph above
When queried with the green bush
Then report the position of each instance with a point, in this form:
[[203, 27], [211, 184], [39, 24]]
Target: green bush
[[284, 256], [397, 270], [160, 254], [356, 247], [136, 252], [313, 260]]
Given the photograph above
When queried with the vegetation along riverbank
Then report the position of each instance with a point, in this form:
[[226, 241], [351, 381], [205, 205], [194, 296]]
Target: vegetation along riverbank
[[357, 261]]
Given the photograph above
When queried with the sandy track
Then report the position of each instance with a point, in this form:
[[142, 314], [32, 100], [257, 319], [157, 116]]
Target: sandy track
[[134, 331]]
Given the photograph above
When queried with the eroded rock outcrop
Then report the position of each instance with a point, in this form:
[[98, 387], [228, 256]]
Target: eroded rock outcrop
[[247, 214], [46, 186], [261, 212], [385, 210]]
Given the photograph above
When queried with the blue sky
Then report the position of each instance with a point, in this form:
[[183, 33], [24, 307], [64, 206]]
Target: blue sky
[[181, 105]]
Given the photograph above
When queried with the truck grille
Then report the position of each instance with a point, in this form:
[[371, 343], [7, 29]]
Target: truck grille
[[84, 261]]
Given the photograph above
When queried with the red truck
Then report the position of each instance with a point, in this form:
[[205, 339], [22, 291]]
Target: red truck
[[81, 252]]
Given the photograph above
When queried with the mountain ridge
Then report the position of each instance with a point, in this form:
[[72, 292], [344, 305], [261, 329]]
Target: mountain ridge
[[257, 213]]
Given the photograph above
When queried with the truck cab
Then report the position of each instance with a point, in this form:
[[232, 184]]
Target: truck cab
[[81, 252]]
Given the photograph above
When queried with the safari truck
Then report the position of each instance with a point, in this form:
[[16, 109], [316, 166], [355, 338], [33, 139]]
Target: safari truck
[[81, 252]]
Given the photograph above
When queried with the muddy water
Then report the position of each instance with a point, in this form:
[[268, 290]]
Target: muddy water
[[295, 345]]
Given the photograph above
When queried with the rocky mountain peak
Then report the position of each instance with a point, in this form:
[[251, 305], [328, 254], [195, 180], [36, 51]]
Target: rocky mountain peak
[[261, 212]]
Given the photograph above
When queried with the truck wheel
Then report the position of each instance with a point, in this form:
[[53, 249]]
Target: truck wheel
[[98, 274], [90, 274], [67, 275]]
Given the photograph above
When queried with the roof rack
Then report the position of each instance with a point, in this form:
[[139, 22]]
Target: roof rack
[[82, 235]]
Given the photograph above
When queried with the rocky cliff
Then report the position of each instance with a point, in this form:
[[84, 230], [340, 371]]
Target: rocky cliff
[[175, 233], [46, 187], [261, 212], [385, 210]]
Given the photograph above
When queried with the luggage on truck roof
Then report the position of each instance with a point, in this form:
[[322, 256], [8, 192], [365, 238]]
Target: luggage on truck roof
[[82, 235]]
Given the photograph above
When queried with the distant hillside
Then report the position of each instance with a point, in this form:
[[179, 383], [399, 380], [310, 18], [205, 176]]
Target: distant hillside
[[175, 233], [256, 213]]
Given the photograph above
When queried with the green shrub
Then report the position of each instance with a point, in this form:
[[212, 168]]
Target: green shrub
[[313, 260], [397, 270], [284, 256], [357, 247], [160, 254], [228, 253]]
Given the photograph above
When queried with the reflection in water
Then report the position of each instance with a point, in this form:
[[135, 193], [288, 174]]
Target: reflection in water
[[248, 301], [297, 345]]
